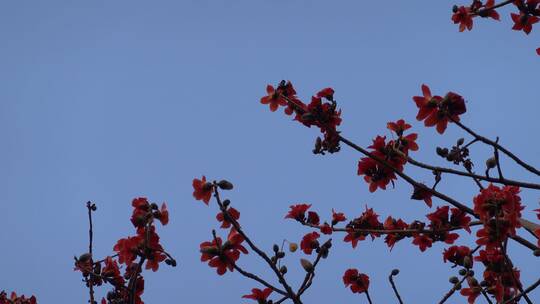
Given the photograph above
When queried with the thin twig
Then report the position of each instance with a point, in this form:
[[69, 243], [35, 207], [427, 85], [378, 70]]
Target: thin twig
[[258, 279], [89, 281], [496, 145], [453, 289], [529, 289], [391, 279]]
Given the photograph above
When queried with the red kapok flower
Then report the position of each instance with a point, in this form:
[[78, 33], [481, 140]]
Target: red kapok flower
[[354, 237], [422, 193], [202, 190], [163, 215], [298, 212], [458, 255], [310, 242], [274, 99], [339, 217], [327, 93], [375, 174], [450, 107], [463, 16], [426, 104], [233, 213], [259, 295], [422, 241], [326, 229], [358, 282], [538, 51], [523, 22], [399, 126]]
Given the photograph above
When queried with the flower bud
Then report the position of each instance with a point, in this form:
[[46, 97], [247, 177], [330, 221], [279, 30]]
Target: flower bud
[[280, 254], [225, 185], [85, 257], [453, 280], [460, 141], [283, 269], [226, 203], [395, 272], [537, 253], [491, 162], [467, 262], [462, 272], [308, 267]]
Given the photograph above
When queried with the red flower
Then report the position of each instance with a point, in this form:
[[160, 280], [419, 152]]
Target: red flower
[[422, 241], [310, 242], [313, 218], [393, 224], [298, 212], [439, 218], [422, 193], [259, 295], [274, 98], [375, 174], [326, 229], [451, 106], [327, 93], [112, 272], [538, 215], [463, 16], [127, 249], [358, 282], [457, 255], [339, 217], [399, 126], [489, 13], [538, 51], [153, 259], [471, 293], [426, 104], [523, 22], [202, 190], [163, 215], [233, 213], [354, 237], [221, 256], [142, 207], [460, 219]]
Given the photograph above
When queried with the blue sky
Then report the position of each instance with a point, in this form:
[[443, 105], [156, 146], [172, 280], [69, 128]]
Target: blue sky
[[111, 100]]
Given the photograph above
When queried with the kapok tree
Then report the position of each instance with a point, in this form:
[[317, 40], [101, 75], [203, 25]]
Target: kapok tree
[[495, 215]]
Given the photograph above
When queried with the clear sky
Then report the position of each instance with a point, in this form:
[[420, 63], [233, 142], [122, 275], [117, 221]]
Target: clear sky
[[111, 100]]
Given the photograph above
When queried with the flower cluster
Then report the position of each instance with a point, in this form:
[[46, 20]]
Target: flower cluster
[[499, 210], [500, 279], [528, 14], [438, 111], [144, 246], [463, 15], [320, 112], [223, 256], [394, 153], [14, 299]]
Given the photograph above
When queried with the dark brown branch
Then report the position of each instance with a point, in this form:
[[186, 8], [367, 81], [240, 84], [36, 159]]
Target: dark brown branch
[[453, 289], [496, 154], [89, 280], [258, 279], [499, 147], [368, 297], [480, 177]]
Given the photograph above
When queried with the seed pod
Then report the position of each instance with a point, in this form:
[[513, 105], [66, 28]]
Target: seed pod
[[85, 257], [491, 162], [225, 185], [308, 267]]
